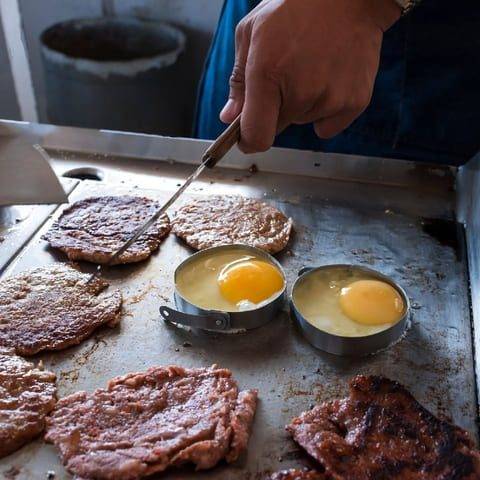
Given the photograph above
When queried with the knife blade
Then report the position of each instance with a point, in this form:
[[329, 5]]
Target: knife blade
[[26, 175], [220, 147]]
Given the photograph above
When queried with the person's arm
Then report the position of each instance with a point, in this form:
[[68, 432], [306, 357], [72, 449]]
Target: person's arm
[[303, 61]]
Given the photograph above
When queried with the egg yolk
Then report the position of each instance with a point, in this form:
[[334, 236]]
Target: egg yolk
[[371, 302], [252, 280]]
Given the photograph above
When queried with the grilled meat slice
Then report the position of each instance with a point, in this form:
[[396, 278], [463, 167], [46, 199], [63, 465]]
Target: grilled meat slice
[[54, 307], [95, 228], [381, 432], [225, 220], [27, 395], [143, 423]]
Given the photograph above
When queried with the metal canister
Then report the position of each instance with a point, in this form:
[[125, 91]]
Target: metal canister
[[131, 70], [188, 314], [343, 345]]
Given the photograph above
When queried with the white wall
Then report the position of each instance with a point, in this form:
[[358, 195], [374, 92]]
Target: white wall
[[8, 103], [198, 18]]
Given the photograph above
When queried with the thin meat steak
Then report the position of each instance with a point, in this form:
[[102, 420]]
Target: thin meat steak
[[95, 228], [143, 423], [52, 308], [27, 395], [381, 432], [226, 220]]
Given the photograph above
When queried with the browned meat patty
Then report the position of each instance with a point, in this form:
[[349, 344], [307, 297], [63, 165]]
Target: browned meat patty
[[225, 220], [52, 308], [381, 432], [295, 474], [95, 228], [27, 395], [143, 423]]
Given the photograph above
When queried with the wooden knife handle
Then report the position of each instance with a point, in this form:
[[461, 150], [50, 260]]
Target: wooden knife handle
[[222, 145]]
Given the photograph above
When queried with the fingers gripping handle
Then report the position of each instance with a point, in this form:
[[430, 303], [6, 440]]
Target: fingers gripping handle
[[223, 144]]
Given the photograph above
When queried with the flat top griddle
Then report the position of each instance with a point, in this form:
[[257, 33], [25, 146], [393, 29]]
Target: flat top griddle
[[383, 227]]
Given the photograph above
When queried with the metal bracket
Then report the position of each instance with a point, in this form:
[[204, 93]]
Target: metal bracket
[[212, 321]]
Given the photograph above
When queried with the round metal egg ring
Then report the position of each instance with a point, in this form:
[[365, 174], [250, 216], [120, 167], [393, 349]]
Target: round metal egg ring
[[189, 315], [350, 346]]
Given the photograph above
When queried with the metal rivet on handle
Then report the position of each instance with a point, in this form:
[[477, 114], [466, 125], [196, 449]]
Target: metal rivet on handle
[[164, 312]]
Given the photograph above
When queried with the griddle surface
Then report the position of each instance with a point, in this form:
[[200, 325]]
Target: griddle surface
[[434, 360]]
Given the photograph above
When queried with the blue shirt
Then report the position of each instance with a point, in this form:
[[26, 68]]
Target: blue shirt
[[426, 101]]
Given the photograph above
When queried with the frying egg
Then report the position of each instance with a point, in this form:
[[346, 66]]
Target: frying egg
[[237, 279], [371, 302], [229, 280], [347, 302]]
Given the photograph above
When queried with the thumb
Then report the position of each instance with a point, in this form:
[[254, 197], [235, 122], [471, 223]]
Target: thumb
[[236, 97]]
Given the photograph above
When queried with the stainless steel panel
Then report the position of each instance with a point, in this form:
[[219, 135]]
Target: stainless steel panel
[[428, 196], [468, 187], [95, 144], [335, 222], [20, 222]]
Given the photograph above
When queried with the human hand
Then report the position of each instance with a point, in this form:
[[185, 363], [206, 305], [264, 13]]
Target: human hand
[[303, 61]]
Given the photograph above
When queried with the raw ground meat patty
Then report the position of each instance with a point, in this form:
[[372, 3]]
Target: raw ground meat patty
[[52, 308], [225, 220], [27, 395], [95, 228], [143, 423], [295, 474], [381, 432]]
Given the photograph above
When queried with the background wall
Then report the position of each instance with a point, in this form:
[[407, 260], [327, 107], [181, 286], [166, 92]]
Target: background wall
[[8, 102], [197, 18], [37, 16]]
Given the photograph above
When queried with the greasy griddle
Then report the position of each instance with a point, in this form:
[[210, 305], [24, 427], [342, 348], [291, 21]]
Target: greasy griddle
[[343, 223]]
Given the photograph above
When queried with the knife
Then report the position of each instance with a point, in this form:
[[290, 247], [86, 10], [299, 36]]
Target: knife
[[219, 148]]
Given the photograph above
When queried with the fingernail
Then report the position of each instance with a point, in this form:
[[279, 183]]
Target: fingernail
[[230, 111]]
